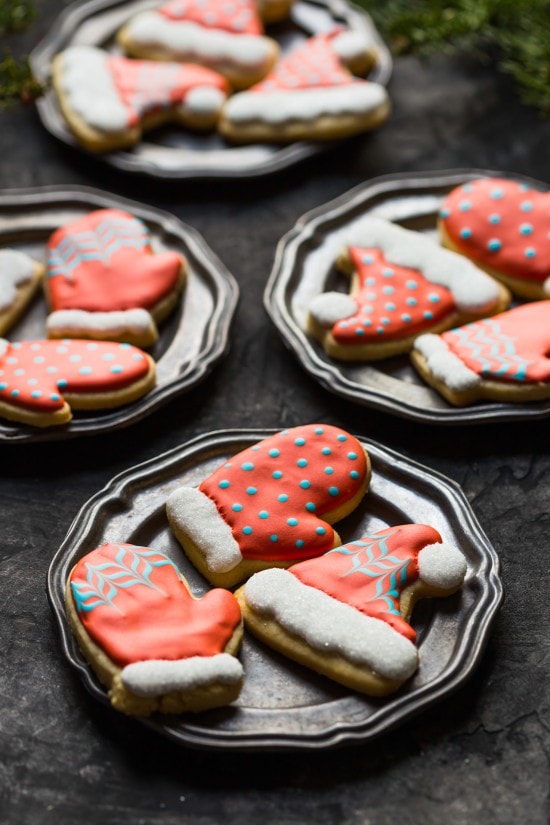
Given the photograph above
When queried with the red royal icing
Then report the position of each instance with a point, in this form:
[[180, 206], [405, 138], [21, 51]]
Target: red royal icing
[[511, 347], [392, 301], [147, 86], [501, 224], [312, 64], [104, 262], [35, 374], [371, 573], [134, 605], [237, 16], [274, 494]]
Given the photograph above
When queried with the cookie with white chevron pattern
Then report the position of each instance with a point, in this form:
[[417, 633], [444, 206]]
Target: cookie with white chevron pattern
[[503, 358]]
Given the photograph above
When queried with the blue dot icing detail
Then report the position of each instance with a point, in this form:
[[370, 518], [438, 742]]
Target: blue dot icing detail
[[247, 530], [341, 437], [526, 229], [282, 498], [388, 273], [247, 466], [32, 382], [263, 514], [526, 206], [354, 474], [36, 394], [352, 456], [368, 259], [494, 218], [251, 491], [319, 431], [368, 310], [39, 359], [19, 372], [311, 507], [117, 369], [385, 321], [466, 233], [496, 194], [305, 484], [433, 298], [406, 317], [464, 206], [255, 448], [320, 531], [329, 471], [55, 397], [367, 322], [467, 187], [300, 543], [237, 508], [224, 484], [359, 331], [3, 386], [302, 462], [333, 491], [75, 358], [388, 290], [292, 522], [274, 453], [412, 302], [62, 382], [299, 442], [530, 252], [428, 315], [277, 474], [227, 466], [370, 281], [326, 451], [125, 346], [15, 393], [390, 307], [412, 285], [274, 537], [444, 213], [85, 370], [494, 245], [107, 357]]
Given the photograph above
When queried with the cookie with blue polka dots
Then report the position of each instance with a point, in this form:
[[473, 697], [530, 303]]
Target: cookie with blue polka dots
[[42, 381], [272, 504], [402, 285], [504, 227]]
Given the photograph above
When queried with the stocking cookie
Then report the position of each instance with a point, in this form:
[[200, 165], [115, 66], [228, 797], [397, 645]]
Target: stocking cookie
[[504, 226], [224, 35], [148, 640], [402, 284], [272, 504], [309, 95], [505, 358], [346, 614], [20, 278], [40, 381], [108, 100], [105, 282]]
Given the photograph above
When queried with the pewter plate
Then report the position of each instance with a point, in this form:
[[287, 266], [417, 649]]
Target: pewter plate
[[192, 340], [304, 267], [172, 152], [284, 705]]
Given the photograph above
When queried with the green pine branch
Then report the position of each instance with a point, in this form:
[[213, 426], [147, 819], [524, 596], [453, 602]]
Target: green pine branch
[[16, 15], [515, 33], [17, 84]]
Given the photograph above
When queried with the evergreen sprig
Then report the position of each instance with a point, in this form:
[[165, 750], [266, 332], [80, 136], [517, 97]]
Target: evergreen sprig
[[515, 33], [17, 83], [16, 15]]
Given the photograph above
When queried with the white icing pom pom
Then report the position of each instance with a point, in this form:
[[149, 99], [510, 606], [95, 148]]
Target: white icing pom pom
[[331, 307], [351, 44], [204, 100], [441, 566]]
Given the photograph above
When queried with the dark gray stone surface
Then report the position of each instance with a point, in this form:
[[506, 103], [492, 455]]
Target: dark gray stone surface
[[480, 756]]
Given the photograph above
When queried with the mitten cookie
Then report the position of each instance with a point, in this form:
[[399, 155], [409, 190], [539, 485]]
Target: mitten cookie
[[105, 282], [108, 100], [272, 504], [346, 613], [402, 284], [503, 226], [20, 278], [149, 641], [224, 36], [309, 95], [505, 358], [41, 380]]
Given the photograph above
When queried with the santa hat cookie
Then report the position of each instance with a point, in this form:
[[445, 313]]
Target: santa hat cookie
[[20, 278], [40, 381], [402, 284], [346, 613], [504, 226], [108, 100], [505, 358], [149, 641], [271, 504], [105, 282], [309, 95], [224, 35]]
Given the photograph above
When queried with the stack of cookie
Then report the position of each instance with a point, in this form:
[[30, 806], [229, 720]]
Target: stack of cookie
[[209, 64]]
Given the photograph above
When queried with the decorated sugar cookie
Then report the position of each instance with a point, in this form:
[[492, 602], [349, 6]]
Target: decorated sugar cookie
[[402, 284], [309, 95], [40, 381], [105, 282], [108, 100], [504, 226], [224, 35], [149, 641], [271, 504], [346, 614], [20, 278], [505, 358]]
